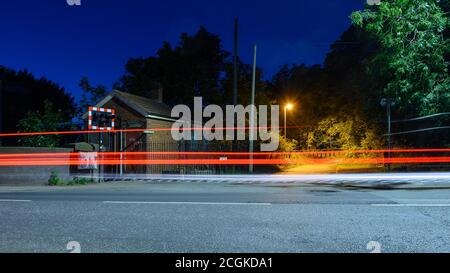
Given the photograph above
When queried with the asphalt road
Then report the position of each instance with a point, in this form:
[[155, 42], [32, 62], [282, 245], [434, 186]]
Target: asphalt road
[[222, 217]]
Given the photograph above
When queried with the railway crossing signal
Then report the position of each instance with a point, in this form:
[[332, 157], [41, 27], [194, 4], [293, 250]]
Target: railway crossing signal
[[101, 118]]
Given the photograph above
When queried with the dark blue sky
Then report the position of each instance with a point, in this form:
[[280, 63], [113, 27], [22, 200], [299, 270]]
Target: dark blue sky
[[64, 43]]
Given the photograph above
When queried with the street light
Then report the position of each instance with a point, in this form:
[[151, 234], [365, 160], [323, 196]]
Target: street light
[[288, 106]]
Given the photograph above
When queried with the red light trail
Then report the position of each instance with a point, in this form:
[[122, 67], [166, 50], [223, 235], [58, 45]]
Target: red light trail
[[105, 154], [22, 134], [142, 159], [211, 158]]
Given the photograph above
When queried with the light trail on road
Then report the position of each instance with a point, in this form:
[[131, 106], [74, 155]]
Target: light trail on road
[[107, 154], [400, 156], [75, 160], [24, 134], [220, 158]]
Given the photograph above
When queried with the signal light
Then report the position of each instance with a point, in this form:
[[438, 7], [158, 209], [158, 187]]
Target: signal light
[[101, 118]]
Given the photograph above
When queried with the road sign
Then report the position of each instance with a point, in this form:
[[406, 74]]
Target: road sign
[[88, 161], [101, 118]]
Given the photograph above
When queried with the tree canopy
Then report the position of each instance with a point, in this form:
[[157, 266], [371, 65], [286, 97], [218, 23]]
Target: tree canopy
[[191, 68], [398, 49], [91, 95], [23, 93], [413, 51], [46, 119]]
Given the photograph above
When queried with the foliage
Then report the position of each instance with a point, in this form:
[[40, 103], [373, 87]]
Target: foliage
[[245, 74], [24, 93], [54, 179], [330, 98], [192, 68], [80, 181], [91, 95], [410, 33], [287, 145], [343, 133], [46, 120], [197, 66]]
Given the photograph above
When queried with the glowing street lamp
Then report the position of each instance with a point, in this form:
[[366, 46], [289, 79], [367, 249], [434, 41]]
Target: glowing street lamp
[[287, 107]]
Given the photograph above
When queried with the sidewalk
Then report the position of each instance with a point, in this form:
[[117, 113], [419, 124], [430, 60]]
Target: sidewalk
[[360, 180]]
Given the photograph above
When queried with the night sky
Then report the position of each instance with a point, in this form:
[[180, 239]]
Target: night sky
[[64, 43]]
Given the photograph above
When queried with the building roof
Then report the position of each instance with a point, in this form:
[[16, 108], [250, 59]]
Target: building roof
[[146, 107]]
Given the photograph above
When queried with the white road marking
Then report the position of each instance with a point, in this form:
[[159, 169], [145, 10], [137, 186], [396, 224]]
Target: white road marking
[[410, 205], [185, 203], [14, 200]]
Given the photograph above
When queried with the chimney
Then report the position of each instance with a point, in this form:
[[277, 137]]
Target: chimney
[[160, 95]]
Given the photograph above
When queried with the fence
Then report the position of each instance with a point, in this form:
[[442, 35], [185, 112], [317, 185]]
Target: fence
[[177, 150]]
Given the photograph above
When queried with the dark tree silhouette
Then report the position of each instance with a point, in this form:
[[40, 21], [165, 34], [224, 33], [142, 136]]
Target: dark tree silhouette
[[23, 93], [192, 68]]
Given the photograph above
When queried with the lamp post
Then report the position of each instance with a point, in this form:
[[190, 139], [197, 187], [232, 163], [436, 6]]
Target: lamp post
[[252, 113], [288, 106]]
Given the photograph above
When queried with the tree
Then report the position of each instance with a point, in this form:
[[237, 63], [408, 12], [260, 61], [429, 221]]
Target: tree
[[23, 93], [343, 133], [307, 87], [91, 95], [287, 145], [192, 68], [413, 50], [45, 120], [263, 94], [336, 96], [355, 80]]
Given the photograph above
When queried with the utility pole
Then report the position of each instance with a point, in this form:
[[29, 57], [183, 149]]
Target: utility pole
[[388, 103], [252, 112], [235, 85], [1, 110], [235, 63]]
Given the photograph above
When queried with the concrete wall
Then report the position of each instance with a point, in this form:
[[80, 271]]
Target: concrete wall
[[30, 175]]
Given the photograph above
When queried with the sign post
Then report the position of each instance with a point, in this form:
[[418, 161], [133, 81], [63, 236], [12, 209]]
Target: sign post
[[101, 119]]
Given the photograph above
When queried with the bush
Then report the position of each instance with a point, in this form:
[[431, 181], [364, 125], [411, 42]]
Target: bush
[[54, 179], [80, 181], [287, 145], [344, 133]]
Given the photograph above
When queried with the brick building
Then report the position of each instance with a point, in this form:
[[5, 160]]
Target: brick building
[[135, 112]]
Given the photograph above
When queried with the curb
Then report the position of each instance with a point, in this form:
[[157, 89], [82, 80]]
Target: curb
[[375, 181]]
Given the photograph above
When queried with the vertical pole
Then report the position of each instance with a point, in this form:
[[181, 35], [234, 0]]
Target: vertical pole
[[252, 112], [91, 171], [285, 120], [121, 150], [1, 110], [235, 84], [235, 62], [100, 167], [389, 103]]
